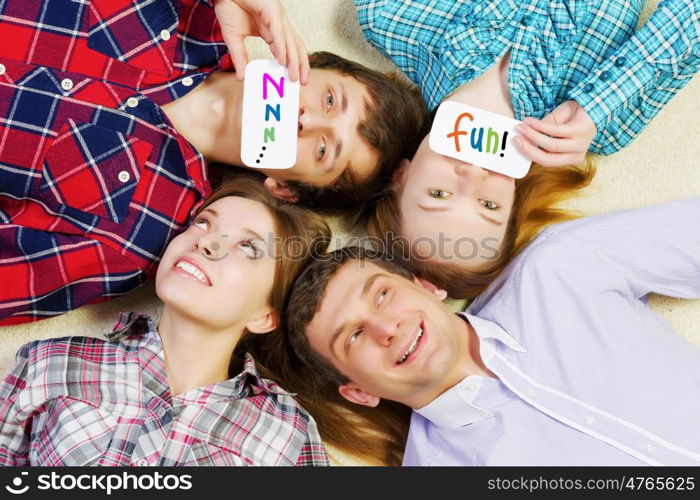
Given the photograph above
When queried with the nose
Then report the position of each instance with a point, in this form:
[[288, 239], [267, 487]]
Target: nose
[[470, 177], [383, 328], [310, 121], [210, 245], [473, 172]]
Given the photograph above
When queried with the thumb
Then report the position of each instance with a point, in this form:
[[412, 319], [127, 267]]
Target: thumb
[[561, 114]]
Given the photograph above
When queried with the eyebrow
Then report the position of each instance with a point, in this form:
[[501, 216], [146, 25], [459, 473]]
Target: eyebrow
[[365, 288], [338, 149], [255, 235], [343, 109], [213, 212], [433, 209], [343, 98], [489, 219], [442, 209]]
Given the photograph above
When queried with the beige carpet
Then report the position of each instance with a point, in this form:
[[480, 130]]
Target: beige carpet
[[661, 165]]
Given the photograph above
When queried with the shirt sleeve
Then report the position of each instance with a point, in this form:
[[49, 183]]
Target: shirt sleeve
[[15, 428], [654, 249], [625, 92], [46, 274], [412, 33]]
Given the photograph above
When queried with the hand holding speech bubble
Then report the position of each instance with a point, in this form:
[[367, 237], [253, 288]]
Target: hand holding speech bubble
[[479, 137], [270, 121]]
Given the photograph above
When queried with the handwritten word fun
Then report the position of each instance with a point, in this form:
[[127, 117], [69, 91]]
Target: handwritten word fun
[[495, 142]]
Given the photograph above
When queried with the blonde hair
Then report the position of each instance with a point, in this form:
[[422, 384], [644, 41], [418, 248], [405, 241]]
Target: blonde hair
[[534, 207]]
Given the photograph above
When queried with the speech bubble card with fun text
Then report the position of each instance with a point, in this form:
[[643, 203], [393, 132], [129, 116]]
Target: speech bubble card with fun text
[[478, 137], [270, 121]]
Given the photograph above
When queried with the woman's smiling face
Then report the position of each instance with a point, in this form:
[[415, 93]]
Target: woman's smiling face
[[220, 271], [453, 211]]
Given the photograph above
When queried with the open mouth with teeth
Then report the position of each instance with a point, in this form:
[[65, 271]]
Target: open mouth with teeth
[[412, 348], [193, 271]]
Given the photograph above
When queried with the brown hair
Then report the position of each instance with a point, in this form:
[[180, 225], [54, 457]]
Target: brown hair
[[534, 208], [375, 434], [396, 115], [298, 232]]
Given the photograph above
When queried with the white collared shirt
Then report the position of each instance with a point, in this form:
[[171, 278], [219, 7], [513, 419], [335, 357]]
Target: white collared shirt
[[587, 373]]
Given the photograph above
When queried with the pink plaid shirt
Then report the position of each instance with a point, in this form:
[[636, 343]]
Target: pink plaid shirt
[[86, 401]]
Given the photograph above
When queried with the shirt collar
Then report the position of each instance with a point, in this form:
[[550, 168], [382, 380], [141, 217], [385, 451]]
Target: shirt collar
[[486, 329], [136, 329], [454, 407], [247, 384], [133, 328]]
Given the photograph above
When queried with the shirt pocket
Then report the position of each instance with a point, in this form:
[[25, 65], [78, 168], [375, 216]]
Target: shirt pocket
[[72, 433], [93, 169], [207, 454], [140, 33]]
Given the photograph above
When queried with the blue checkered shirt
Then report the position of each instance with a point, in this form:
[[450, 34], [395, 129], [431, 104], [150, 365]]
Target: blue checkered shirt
[[587, 51]]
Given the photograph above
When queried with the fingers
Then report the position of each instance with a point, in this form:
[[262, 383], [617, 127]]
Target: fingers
[[297, 57], [277, 39], [266, 19], [562, 137], [239, 55], [285, 44], [292, 53], [568, 119], [553, 129], [563, 113], [547, 158], [304, 67], [552, 144]]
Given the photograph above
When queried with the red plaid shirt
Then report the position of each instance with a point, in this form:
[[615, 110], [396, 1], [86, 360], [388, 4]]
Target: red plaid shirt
[[87, 401], [94, 180]]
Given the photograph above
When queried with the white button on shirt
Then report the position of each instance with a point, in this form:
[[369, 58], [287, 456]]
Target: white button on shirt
[[124, 176], [142, 462], [132, 102], [187, 81], [2, 69], [67, 84], [165, 35]]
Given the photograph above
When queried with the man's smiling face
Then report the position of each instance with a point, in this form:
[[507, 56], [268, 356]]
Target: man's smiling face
[[392, 337], [331, 108]]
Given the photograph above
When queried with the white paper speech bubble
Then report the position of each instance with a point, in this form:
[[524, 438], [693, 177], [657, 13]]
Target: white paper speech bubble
[[478, 137], [270, 120]]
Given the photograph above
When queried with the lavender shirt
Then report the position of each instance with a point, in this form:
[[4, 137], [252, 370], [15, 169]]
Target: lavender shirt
[[587, 373]]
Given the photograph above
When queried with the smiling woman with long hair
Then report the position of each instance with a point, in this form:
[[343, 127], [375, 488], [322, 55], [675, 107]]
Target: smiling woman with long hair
[[167, 393]]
